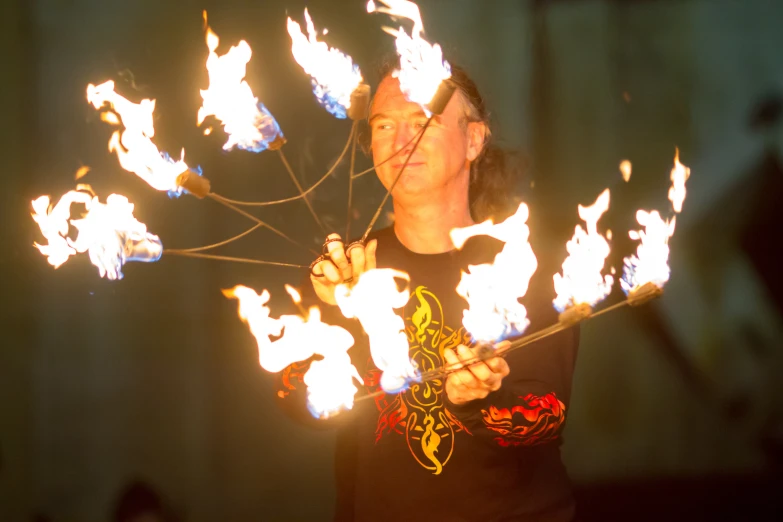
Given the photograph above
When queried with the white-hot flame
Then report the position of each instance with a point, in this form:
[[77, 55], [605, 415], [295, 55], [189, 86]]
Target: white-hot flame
[[582, 281], [333, 73], [248, 124], [107, 231], [373, 300], [493, 290], [329, 380], [650, 264], [133, 145], [422, 67]]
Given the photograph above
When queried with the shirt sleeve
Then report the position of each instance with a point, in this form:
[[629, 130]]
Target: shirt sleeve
[[530, 407], [290, 389]]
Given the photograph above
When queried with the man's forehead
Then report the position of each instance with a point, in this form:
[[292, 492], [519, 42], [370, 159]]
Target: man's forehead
[[389, 97]]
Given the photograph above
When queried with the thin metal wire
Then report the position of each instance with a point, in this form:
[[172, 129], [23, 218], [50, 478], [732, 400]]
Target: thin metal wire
[[238, 210], [446, 369], [394, 155], [301, 192], [184, 253], [305, 192], [399, 175], [227, 241], [347, 235]]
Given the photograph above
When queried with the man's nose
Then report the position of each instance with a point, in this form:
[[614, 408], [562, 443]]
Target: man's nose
[[403, 135]]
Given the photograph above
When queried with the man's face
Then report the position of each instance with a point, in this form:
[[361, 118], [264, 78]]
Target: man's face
[[443, 155]]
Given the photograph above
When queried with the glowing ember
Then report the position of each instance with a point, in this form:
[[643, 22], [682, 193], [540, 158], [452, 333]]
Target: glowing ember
[[133, 145], [493, 290], [650, 264], [373, 300], [625, 170], [334, 75], [581, 281], [329, 380], [107, 231], [680, 174], [422, 67], [249, 125]]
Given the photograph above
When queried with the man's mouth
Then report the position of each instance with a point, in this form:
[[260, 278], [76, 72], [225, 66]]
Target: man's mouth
[[411, 164]]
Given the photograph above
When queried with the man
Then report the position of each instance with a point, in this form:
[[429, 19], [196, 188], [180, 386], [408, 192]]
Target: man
[[484, 444]]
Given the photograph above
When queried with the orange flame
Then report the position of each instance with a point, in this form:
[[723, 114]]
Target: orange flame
[[247, 122], [334, 74], [625, 170], [680, 174], [373, 300], [650, 264], [581, 281], [422, 67], [133, 145], [330, 381], [493, 290]]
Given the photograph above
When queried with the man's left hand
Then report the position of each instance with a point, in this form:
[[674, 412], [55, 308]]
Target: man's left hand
[[474, 379]]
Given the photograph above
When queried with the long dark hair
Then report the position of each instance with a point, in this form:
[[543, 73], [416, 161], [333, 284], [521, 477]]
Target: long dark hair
[[496, 174]]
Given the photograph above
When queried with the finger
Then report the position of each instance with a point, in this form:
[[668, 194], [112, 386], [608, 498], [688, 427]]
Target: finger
[[331, 272], [461, 376], [452, 361], [357, 261], [481, 371], [502, 347], [369, 254], [499, 366], [336, 252]]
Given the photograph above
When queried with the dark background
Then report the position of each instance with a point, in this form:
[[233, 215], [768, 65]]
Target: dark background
[[676, 411]]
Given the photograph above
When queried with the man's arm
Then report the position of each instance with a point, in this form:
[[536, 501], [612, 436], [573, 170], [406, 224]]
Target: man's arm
[[530, 405]]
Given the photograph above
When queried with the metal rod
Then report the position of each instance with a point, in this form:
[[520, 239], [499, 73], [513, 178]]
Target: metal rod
[[519, 342], [347, 236], [301, 191], [227, 241], [304, 193], [399, 175], [185, 253], [238, 210], [394, 155]]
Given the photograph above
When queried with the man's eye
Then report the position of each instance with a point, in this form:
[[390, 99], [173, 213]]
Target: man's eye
[[383, 126], [420, 124]]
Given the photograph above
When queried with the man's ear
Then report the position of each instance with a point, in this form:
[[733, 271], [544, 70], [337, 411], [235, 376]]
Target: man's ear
[[477, 132]]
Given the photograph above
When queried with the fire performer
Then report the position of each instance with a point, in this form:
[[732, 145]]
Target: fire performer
[[484, 444]]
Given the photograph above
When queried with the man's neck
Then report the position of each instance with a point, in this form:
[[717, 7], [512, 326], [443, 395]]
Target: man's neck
[[424, 228]]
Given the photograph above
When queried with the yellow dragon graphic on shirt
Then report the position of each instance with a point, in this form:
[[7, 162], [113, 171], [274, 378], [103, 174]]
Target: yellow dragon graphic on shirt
[[419, 413]]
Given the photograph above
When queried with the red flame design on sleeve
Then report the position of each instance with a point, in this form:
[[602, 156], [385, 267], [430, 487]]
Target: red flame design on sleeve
[[292, 374], [536, 421]]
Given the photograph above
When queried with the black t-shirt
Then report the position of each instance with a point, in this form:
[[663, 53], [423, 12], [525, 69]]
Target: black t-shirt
[[414, 455]]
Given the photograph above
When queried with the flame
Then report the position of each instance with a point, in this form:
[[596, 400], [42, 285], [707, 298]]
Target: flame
[[135, 149], [108, 232], [680, 174], [581, 281], [650, 264], [334, 75], [373, 300], [295, 295], [329, 380], [249, 125], [625, 170], [422, 67], [493, 290]]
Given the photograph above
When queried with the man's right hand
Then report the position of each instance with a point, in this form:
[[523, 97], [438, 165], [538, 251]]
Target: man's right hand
[[337, 269]]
